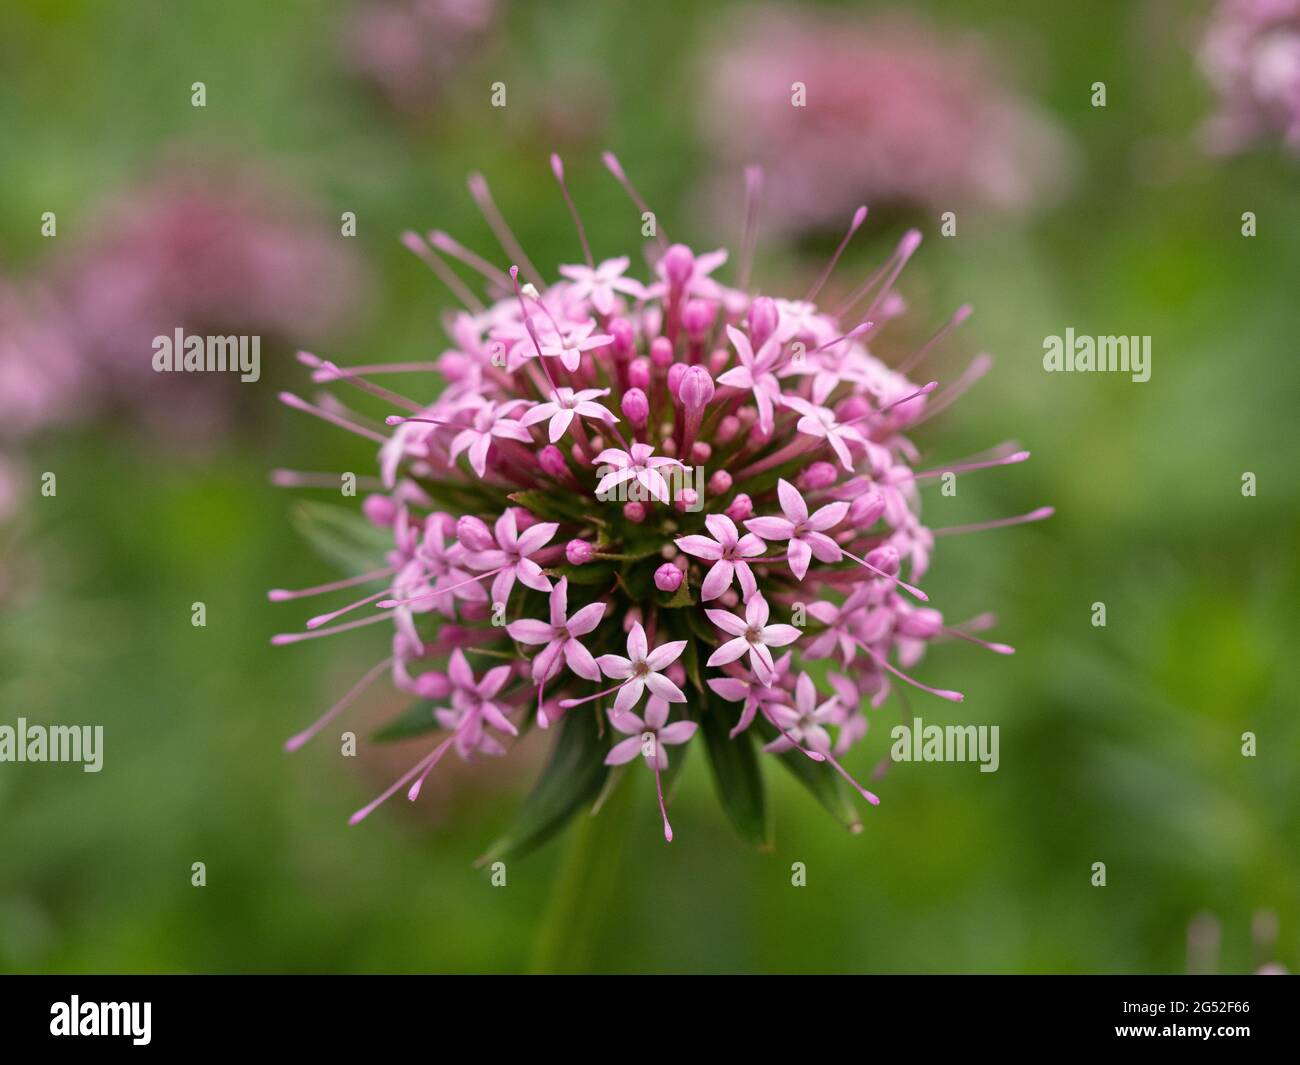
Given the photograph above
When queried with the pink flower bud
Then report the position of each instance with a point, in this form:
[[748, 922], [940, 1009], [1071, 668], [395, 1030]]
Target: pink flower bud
[[432, 685], [701, 452], [551, 460], [446, 523], [638, 372], [818, 475], [718, 360], [696, 389], [742, 507], [668, 578], [865, 511], [697, 318], [851, 408], [379, 510], [634, 512], [763, 319], [727, 429], [720, 482], [921, 624], [661, 353], [689, 498], [636, 408], [524, 518], [679, 264], [675, 374], [624, 337], [474, 534], [884, 559], [677, 674], [578, 552]]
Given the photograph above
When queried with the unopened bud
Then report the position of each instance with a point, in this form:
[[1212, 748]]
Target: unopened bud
[[818, 475], [763, 319], [668, 578], [578, 552], [696, 389], [474, 534], [551, 460], [379, 510], [741, 507], [636, 407], [865, 511]]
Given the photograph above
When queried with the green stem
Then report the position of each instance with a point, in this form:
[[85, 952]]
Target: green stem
[[586, 882]]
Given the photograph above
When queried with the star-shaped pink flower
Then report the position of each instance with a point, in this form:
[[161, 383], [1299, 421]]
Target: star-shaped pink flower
[[820, 421], [600, 283], [472, 705], [560, 636], [639, 464], [755, 373], [805, 532], [564, 405], [490, 420], [511, 555], [649, 736], [569, 346], [805, 723], [753, 634], [641, 670], [728, 551]]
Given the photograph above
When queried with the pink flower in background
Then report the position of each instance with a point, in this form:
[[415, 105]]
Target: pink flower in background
[[1250, 52], [410, 49], [894, 113], [219, 250], [639, 575], [44, 381]]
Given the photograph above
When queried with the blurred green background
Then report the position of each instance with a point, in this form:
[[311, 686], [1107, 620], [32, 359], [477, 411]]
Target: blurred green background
[[1119, 744]]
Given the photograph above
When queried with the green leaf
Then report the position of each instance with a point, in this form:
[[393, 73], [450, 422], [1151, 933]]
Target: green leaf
[[414, 721], [825, 785], [680, 598], [591, 573], [572, 778], [550, 506], [691, 662], [342, 536], [736, 774]]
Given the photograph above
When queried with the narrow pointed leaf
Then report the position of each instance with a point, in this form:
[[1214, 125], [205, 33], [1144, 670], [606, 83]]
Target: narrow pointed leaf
[[571, 780]]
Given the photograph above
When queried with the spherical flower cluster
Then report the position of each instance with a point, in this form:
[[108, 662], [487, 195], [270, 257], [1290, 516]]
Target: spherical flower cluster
[[658, 500], [1251, 54]]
